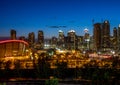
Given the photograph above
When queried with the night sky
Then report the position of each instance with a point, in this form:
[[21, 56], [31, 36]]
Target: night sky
[[52, 15]]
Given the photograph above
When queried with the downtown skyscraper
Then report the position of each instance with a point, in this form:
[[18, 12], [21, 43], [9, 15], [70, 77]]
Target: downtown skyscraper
[[41, 39], [31, 38], [101, 34], [118, 39], [97, 36], [105, 36], [13, 34], [61, 39]]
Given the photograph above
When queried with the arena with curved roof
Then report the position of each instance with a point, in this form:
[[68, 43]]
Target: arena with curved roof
[[13, 48]]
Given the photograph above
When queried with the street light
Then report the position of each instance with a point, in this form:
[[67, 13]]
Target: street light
[[113, 52]]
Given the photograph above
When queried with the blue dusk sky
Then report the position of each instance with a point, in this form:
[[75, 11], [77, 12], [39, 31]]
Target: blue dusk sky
[[27, 16]]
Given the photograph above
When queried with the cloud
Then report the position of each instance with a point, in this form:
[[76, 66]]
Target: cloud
[[62, 26], [55, 26]]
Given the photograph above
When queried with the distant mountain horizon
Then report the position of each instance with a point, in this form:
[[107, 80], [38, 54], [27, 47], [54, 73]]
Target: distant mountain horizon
[[4, 37], [8, 38]]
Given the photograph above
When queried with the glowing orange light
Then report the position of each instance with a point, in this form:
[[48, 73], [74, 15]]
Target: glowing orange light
[[8, 41]]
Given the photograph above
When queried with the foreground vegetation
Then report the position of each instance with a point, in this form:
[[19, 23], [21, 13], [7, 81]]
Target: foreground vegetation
[[89, 72]]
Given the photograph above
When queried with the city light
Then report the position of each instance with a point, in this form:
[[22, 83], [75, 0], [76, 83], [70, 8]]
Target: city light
[[60, 42]]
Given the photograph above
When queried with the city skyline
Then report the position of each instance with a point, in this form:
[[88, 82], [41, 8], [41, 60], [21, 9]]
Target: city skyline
[[27, 16]]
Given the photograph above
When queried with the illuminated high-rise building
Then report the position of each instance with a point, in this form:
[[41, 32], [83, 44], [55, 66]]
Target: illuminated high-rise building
[[72, 40], [80, 41], [118, 38], [54, 42], [105, 36], [115, 32], [61, 36], [97, 36], [72, 34], [13, 34], [86, 39], [41, 38], [114, 40], [31, 38], [61, 39]]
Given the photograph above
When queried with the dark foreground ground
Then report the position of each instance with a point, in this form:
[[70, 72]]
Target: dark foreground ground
[[64, 76], [60, 82]]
